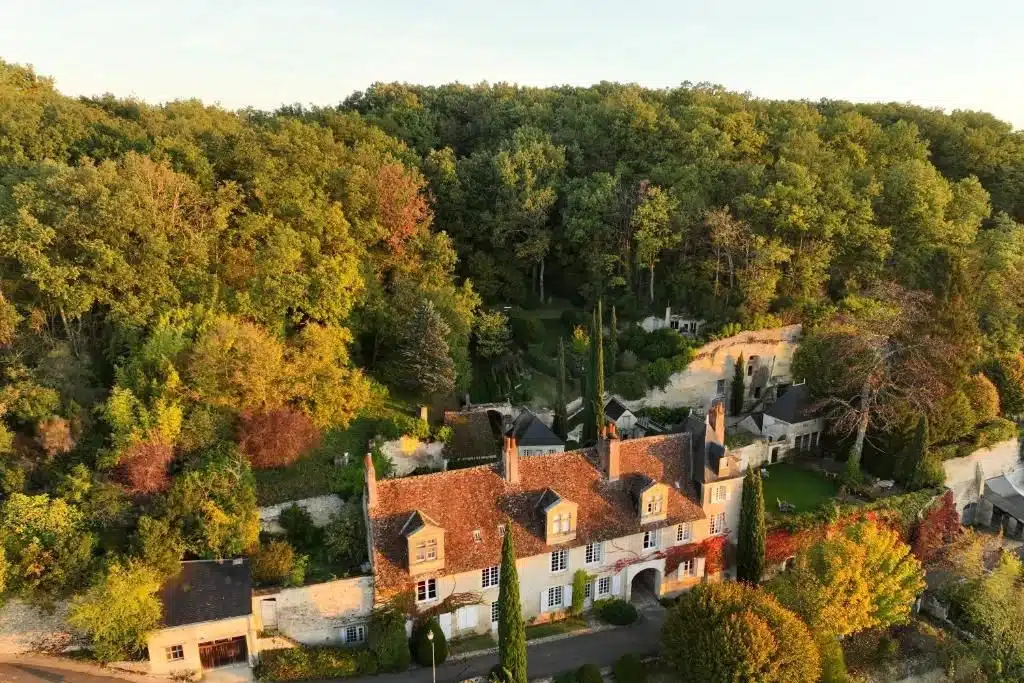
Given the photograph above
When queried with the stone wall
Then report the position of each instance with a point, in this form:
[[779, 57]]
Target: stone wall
[[26, 628], [966, 476], [315, 614], [320, 508]]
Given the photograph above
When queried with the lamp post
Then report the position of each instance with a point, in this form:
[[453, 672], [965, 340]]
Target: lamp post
[[433, 667]]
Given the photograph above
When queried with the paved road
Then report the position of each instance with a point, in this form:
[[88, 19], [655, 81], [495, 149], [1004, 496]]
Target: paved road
[[601, 648], [33, 673]]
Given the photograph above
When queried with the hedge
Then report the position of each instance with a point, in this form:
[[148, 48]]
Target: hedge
[[616, 611], [315, 663], [984, 435]]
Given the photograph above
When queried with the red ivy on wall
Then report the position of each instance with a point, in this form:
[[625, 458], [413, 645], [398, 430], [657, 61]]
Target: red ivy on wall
[[713, 550], [939, 527]]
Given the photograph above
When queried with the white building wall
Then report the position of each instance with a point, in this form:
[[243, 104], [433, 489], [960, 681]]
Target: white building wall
[[697, 386], [966, 476]]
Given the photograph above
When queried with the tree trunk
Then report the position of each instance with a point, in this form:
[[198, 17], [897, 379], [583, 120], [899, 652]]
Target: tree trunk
[[862, 426], [542, 281], [651, 283]]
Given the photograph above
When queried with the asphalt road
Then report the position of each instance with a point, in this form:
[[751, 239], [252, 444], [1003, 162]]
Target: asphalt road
[[546, 659], [14, 672]]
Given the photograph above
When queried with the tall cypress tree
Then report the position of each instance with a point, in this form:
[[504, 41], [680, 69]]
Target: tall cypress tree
[[589, 436], [561, 418], [912, 465], [599, 372], [750, 554], [613, 342], [511, 629], [736, 395]]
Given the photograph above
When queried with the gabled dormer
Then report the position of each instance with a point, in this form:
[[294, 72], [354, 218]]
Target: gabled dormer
[[425, 541], [651, 498], [559, 517]]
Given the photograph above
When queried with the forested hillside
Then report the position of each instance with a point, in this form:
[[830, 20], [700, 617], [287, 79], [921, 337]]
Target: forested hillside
[[188, 293]]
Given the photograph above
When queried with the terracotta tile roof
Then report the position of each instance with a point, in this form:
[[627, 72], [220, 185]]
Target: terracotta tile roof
[[464, 500]]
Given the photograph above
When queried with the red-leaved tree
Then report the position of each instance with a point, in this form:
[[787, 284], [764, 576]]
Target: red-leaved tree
[[144, 467], [276, 438], [939, 527]]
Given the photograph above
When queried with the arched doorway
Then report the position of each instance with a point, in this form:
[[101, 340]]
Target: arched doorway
[[645, 587]]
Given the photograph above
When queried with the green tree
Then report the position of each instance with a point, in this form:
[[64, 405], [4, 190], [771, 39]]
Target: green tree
[[613, 341], [561, 425], [598, 394], [511, 629], [119, 611], [738, 388], [579, 588], [653, 231], [750, 562], [753, 636], [426, 366], [159, 545], [492, 334], [916, 454]]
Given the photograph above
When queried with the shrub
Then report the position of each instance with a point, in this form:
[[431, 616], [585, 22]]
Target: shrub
[[314, 662], [630, 385], [629, 669], [276, 438], [444, 434], [983, 396], [420, 645], [659, 372], [526, 329], [589, 673], [388, 641], [627, 360], [616, 611], [273, 562], [579, 587], [298, 525], [345, 538]]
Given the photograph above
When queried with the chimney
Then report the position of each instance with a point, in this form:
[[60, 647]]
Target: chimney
[[371, 482], [608, 447], [510, 461], [716, 421]]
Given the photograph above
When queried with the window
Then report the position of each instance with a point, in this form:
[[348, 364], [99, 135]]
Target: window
[[561, 523], [718, 524], [654, 505], [477, 536], [426, 590], [757, 392], [175, 652], [489, 577], [718, 495], [355, 634], [687, 568], [650, 539], [684, 533], [555, 596], [501, 531], [559, 561], [604, 586], [426, 550], [593, 553], [494, 611], [588, 590], [720, 387]]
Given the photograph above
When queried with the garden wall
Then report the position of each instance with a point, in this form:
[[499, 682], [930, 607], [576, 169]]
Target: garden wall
[[27, 628], [316, 614], [320, 508], [966, 476]]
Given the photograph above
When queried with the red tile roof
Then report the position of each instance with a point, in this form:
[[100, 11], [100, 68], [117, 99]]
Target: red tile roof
[[464, 500]]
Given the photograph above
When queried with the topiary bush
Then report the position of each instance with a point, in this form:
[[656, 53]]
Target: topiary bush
[[589, 673], [629, 669], [420, 644], [616, 611]]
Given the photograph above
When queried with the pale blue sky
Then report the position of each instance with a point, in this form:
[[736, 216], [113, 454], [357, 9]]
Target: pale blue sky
[[945, 53]]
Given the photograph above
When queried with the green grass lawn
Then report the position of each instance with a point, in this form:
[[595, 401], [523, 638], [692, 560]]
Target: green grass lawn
[[472, 644], [555, 628], [803, 488]]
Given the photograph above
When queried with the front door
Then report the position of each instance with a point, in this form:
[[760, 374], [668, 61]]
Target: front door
[[775, 454], [223, 652]]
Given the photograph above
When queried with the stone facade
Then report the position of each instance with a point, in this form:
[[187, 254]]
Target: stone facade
[[315, 614], [966, 477], [188, 638], [320, 508], [26, 628]]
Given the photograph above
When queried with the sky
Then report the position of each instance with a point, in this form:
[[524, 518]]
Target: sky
[[263, 53]]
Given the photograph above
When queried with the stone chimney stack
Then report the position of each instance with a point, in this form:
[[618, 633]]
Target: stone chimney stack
[[371, 482], [716, 421], [608, 447], [510, 460]]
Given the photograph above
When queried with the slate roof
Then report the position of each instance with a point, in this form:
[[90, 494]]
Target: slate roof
[[207, 590], [529, 430], [793, 406], [707, 454], [478, 498], [758, 418], [614, 409], [1004, 495]]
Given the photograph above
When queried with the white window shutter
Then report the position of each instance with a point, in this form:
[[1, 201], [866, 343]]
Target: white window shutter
[[408, 628], [616, 585], [445, 620], [567, 596], [344, 635], [544, 600], [699, 567]]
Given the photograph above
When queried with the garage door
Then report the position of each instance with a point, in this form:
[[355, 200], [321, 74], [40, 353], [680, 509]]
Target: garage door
[[223, 652]]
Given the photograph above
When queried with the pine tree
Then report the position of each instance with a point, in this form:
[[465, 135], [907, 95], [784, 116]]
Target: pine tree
[[613, 342], [913, 462], [736, 402], [511, 629], [425, 362], [599, 372], [750, 560], [561, 418]]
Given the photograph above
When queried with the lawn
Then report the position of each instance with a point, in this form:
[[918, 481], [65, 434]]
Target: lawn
[[471, 644], [801, 487], [554, 628]]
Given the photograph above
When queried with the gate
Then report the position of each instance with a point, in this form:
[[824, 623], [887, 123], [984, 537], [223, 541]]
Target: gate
[[223, 652]]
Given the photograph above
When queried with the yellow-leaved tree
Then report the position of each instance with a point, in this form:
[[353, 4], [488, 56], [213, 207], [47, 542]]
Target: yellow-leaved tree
[[119, 610]]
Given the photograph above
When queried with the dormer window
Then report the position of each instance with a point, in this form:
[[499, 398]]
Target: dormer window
[[655, 504], [501, 531], [425, 541], [477, 536], [651, 499], [561, 523], [559, 516]]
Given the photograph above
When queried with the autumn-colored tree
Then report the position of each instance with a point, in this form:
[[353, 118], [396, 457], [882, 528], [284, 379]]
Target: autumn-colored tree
[[119, 611], [320, 377], [1007, 373], [277, 437], [54, 436], [754, 638], [983, 397], [861, 577], [144, 467], [401, 205], [939, 527]]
